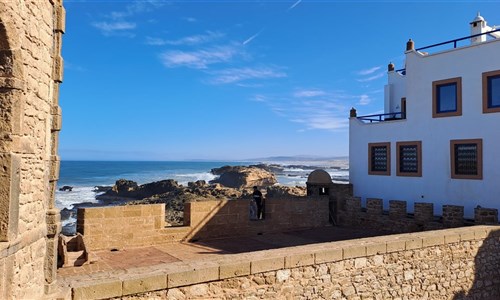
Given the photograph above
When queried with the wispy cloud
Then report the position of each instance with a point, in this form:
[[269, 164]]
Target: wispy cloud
[[308, 93], [190, 19], [371, 78], [251, 38], [115, 28], [295, 4], [199, 59], [317, 109], [192, 40], [242, 74], [116, 22], [364, 100], [368, 71], [259, 98], [323, 122]]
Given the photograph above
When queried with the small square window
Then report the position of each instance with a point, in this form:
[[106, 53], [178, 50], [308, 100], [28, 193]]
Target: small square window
[[491, 92], [466, 159], [409, 158], [379, 158], [447, 98]]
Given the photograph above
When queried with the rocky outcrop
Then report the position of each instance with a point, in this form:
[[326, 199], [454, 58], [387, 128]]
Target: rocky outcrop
[[130, 189], [281, 191], [243, 177]]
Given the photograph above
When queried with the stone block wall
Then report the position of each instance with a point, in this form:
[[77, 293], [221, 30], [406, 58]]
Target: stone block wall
[[30, 120], [397, 219], [141, 225], [214, 219], [444, 264], [121, 226]]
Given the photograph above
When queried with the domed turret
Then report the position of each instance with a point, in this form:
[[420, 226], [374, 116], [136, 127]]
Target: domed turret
[[319, 183]]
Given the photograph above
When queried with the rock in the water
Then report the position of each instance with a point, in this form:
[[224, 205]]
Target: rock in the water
[[66, 188], [102, 188], [123, 187], [244, 177], [130, 189]]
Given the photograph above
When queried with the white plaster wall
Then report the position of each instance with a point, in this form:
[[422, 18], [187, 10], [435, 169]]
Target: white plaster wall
[[436, 184], [397, 87]]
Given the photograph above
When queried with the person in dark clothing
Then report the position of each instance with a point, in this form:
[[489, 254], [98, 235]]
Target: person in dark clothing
[[257, 197]]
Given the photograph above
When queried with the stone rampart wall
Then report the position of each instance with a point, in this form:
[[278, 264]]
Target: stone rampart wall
[[459, 263], [141, 225], [30, 120], [397, 219]]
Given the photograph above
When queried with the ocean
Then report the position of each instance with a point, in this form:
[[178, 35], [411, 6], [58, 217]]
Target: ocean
[[83, 176]]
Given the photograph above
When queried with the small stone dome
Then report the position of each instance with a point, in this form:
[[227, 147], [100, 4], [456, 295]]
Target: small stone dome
[[319, 177]]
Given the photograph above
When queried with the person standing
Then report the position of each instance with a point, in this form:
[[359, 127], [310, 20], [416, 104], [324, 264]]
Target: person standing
[[257, 197]]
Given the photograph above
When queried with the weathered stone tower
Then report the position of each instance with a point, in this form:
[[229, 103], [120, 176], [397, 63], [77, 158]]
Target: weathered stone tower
[[30, 120]]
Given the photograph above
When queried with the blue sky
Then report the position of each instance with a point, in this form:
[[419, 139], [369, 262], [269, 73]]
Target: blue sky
[[233, 80]]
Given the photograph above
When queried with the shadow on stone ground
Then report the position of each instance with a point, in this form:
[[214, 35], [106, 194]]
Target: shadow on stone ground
[[269, 241], [487, 271]]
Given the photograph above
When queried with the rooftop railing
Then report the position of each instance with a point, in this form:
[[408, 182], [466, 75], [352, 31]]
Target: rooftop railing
[[457, 40], [383, 117]]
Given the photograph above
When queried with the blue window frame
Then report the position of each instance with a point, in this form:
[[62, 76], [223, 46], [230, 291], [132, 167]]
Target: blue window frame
[[491, 92], [447, 98], [494, 91]]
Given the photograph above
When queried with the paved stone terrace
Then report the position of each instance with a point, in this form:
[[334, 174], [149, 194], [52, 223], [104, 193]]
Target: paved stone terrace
[[110, 268], [122, 261], [140, 271]]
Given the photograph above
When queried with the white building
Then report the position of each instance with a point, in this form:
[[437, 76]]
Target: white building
[[439, 139]]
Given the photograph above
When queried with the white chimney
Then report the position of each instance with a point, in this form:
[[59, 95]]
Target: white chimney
[[478, 26]]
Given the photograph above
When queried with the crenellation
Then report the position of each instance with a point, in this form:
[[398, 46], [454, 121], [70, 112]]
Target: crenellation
[[397, 209], [453, 215], [423, 212]]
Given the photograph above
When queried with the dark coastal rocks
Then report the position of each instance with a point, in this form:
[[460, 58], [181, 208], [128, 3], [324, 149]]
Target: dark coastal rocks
[[102, 188], [129, 189], [66, 188], [243, 177]]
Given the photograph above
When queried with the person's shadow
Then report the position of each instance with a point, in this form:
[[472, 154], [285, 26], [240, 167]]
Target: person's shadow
[[486, 283]]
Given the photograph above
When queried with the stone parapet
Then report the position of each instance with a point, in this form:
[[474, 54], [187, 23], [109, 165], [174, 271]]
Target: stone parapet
[[401, 265], [486, 216], [453, 215], [397, 220], [423, 212], [141, 225], [397, 209], [374, 206]]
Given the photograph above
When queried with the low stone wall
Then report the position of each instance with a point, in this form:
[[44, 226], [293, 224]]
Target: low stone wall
[[141, 225], [458, 263], [121, 226], [397, 219], [215, 219]]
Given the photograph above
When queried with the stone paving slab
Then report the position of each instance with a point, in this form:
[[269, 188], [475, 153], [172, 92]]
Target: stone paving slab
[[118, 262]]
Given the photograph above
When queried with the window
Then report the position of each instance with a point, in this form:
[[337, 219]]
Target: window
[[447, 98], [491, 92], [466, 159], [379, 158], [409, 158]]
